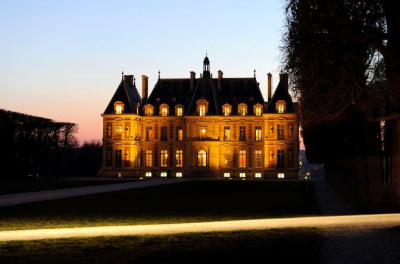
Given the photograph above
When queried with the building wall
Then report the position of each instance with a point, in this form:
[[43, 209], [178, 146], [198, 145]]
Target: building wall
[[125, 144]]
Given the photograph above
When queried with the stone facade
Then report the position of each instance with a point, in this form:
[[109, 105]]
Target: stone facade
[[217, 128]]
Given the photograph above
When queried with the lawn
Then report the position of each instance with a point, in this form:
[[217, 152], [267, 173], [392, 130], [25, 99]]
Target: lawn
[[34, 185], [193, 201], [264, 246]]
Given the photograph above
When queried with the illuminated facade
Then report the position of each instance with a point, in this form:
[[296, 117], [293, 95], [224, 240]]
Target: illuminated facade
[[201, 127]]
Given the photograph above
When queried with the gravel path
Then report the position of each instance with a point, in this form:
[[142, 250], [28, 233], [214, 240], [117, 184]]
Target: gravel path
[[30, 197]]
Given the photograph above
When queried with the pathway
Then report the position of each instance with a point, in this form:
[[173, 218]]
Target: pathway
[[30, 197]]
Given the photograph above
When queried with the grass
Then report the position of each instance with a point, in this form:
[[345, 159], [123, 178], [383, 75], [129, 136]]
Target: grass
[[273, 246], [194, 201], [34, 185]]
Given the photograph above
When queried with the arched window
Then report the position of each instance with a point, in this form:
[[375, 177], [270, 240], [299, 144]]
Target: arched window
[[281, 106], [118, 107], [202, 158], [242, 109], [164, 110]]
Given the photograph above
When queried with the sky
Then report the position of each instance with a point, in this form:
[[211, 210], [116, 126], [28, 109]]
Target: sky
[[63, 59]]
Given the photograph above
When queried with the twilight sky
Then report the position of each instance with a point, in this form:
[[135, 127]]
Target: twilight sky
[[63, 59]]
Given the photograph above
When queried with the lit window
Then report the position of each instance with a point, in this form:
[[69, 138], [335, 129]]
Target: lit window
[[118, 109], [242, 159], [148, 174], [258, 158], [163, 174], [202, 110], [149, 158], [149, 133], [227, 133], [164, 158], [179, 111], [227, 111], [227, 175], [179, 157], [179, 134], [118, 128], [281, 106], [202, 158], [258, 111], [281, 175], [258, 133], [149, 111], [164, 111], [242, 109], [178, 175], [258, 175], [202, 132], [227, 159], [242, 175]]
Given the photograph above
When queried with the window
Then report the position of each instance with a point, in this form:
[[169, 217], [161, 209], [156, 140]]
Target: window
[[163, 133], [149, 133], [227, 111], [164, 158], [227, 133], [148, 110], [281, 106], [242, 109], [227, 159], [179, 157], [118, 107], [149, 158], [179, 134], [281, 131], [242, 133], [258, 158], [258, 134], [179, 111], [164, 111], [202, 158], [258, 175], [202, 133], [163, 174], [242, 175], [202, 110], [258, 111], [281, 175], [281, 159], [227, 175], [118, 128], [148, 174], [242, 159], [178, 175], [118, 158]]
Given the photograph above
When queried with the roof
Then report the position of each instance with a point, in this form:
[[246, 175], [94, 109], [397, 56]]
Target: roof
[[281, 93], [127, 94]]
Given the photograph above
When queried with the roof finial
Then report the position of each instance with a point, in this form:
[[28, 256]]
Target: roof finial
[[206, 53], [134, 80], [158, 74], [254, 73], [122, 75]]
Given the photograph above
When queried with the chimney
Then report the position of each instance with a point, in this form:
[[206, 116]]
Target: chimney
[[192, 77], [269, 86], [145, 87], [220, 74], [284, 77]]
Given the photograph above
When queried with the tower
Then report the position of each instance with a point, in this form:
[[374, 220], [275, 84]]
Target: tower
[[206, 67]]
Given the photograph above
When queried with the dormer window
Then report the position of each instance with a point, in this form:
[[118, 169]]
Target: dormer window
[[164, 110], [148, 110], [179, 110], [258, 109], [242, 109], [202, 107], [281, 106], [118, 107], [227, 109]]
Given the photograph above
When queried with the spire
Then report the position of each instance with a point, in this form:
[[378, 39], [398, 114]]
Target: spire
[[158, 74], [254, 73], [206, 67], [122, 75]]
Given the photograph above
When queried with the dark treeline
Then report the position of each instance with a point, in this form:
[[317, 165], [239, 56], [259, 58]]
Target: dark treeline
[[344, 61], [40, 147]]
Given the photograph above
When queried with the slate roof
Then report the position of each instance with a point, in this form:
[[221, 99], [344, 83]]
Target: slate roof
[[127, 94], [281, 93]]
